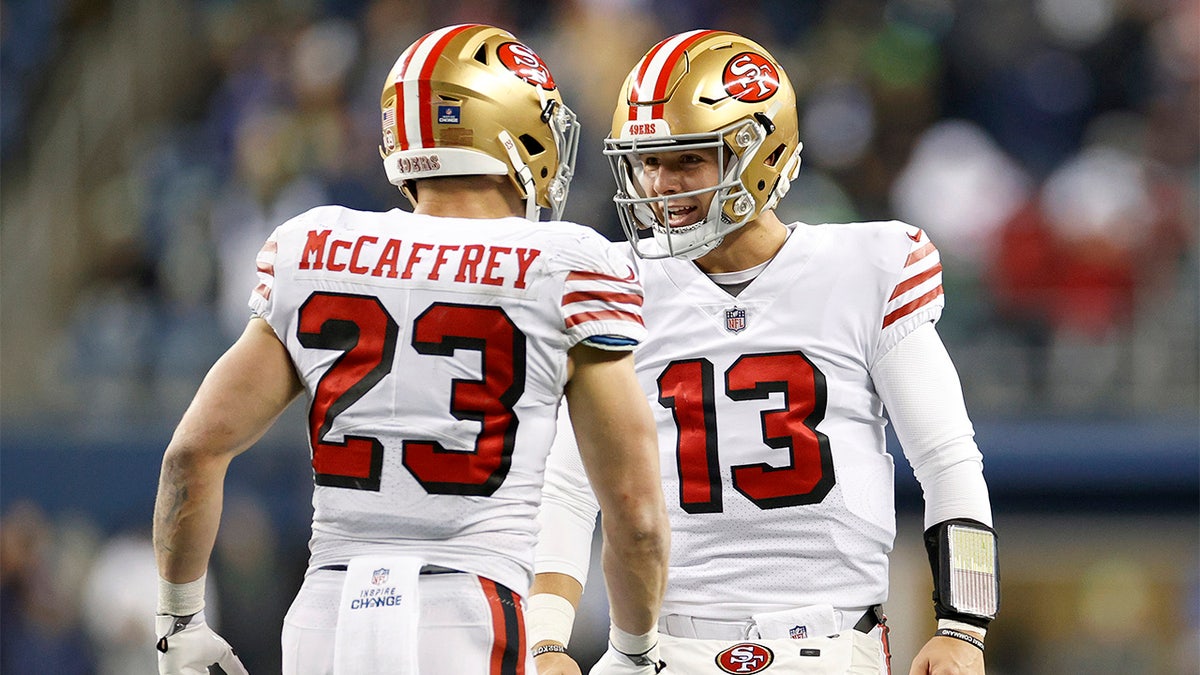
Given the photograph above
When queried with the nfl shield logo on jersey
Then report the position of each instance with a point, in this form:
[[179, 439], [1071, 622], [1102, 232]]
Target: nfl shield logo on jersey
[[380, 576], [735, 319], [798, 632]]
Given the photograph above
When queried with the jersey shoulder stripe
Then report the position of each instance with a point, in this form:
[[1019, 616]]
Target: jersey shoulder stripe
[[601, 291], [920, 280], [264, 263], [593, 296], [580, 296]]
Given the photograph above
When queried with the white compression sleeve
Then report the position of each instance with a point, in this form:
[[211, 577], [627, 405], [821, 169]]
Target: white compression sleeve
[[920, 388], [567, 517]]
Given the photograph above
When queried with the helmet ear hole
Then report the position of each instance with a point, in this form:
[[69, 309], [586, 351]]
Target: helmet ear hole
[[773, 158], [545, 172], [761, 184], [532, 146]]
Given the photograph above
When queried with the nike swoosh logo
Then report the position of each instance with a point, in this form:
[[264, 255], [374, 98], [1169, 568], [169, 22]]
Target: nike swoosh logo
[[631, 276], [915, 237]]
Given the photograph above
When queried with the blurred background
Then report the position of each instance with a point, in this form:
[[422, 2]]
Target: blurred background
[[1049, 147]]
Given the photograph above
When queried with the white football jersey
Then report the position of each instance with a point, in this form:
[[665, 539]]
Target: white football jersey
[[775, 469], [434, 354]]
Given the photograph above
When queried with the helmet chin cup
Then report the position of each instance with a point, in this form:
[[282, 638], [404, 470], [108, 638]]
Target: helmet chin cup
[[697, 251]]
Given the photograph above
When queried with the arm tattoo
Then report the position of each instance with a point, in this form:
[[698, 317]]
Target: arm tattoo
[[173, 497]]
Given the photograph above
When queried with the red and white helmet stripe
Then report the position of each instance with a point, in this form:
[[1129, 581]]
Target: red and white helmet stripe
[[414, 106], [654, 74]]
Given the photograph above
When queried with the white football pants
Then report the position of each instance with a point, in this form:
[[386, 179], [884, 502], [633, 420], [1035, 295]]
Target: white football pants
[[468, 625]]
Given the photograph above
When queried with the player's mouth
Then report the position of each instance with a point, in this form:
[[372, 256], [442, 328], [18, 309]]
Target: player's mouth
[[680, 215]]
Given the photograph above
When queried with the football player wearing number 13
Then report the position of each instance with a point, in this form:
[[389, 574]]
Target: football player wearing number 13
[[434, 348], [773, 351]]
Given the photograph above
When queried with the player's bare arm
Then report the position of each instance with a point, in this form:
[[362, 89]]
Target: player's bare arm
[[618, 445], [242, 395]]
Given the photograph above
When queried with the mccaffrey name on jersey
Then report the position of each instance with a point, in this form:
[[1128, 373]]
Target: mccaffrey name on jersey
[[392, 258]]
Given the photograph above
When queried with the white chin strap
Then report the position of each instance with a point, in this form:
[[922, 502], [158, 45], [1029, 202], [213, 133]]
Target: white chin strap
[[524, 174], [700, 250]]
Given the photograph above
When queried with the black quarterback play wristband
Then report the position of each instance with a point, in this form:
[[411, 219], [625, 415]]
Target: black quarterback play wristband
[[965, 565]]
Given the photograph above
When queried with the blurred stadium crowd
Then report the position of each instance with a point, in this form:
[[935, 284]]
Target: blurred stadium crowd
[[1051, 148]]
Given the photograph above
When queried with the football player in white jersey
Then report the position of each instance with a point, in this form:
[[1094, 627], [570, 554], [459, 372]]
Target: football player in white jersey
[[773, 351], [433, 348]]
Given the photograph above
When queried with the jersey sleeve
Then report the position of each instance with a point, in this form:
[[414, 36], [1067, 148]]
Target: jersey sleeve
[[260, 298], [567, 516], [920, 388], [914, 293], [601, 296]]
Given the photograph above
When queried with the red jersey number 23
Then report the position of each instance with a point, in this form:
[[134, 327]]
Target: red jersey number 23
[[360, 327]]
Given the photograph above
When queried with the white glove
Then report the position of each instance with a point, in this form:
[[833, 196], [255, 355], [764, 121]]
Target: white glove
[[618, 663], [187, 646]]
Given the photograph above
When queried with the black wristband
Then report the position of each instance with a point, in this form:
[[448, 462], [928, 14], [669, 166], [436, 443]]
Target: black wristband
[[937, 546], [548, 649], [959, 635]]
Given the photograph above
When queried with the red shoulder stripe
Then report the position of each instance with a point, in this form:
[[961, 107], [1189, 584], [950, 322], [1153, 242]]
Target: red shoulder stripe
[[910, 307]]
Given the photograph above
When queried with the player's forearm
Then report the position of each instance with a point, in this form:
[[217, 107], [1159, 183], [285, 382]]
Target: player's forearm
[[240, 397], [635, 571], [567, 516], [619, 448], [187, 513]]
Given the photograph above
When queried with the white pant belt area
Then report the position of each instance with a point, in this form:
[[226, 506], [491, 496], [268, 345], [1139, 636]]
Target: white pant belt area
[[425, 569], [861, 619]]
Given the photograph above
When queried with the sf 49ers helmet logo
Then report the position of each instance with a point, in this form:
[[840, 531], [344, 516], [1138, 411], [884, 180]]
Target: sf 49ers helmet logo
[[745, 657], [750, 77], [526, 64]]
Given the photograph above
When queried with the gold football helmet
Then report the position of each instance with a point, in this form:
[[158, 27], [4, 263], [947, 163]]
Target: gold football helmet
[[471, 100], [704, 89]]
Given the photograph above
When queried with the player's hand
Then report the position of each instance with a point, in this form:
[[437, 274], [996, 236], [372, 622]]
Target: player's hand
[[556, 663], [948, 656], [187, 646], [616, 663]]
